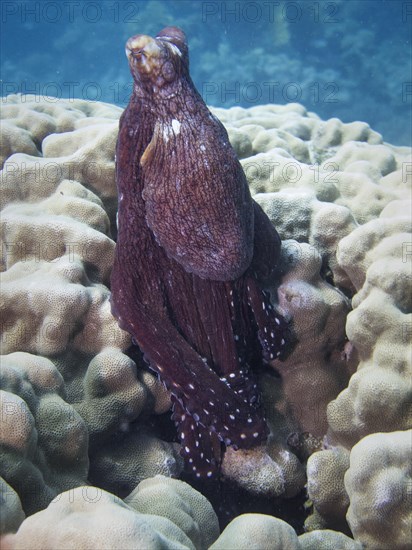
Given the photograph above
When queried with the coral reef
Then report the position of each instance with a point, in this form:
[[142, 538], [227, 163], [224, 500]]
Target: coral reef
[[44, 442], [12, 515], [79, 408], [376, 256], [380, 472], [181, 504], [255, 531], [160, 513]]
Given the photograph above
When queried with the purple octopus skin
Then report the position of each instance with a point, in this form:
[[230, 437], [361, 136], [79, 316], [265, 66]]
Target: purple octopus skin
[[192, 253]]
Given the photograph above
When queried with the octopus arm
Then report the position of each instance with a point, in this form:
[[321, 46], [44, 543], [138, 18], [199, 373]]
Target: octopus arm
[[205, 396], [201, 447], [272, 328]]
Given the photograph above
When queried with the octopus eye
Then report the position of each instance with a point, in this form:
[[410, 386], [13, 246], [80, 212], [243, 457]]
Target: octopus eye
[[138, 54], [168, 71]]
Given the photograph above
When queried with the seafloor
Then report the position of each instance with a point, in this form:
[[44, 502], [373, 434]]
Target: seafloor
[[87, 460]]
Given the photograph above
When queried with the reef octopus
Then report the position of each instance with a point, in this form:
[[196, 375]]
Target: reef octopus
[[192, 255]]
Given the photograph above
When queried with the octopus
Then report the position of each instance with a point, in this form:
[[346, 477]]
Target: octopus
[[192, 258]]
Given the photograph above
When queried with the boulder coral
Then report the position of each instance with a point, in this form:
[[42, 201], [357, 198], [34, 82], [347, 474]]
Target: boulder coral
[[44, 441], [181, 504], [377, 258], [113, 468], [12, 515], [79, 408], [173, 516], [254, 531], [378, 483], [159, 513]]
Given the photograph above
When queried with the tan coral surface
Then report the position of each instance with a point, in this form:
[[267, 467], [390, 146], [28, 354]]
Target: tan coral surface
[[340, 199], [176, 516]]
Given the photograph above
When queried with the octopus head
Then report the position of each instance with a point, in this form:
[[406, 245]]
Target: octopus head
[[159, 61]]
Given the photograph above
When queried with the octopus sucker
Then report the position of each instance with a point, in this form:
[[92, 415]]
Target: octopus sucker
[[193, 254]]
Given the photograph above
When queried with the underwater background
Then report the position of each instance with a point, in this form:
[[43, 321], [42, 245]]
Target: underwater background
[[346, 59], [84, 418]]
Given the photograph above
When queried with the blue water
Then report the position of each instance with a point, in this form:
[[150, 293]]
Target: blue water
[[345, 58]]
